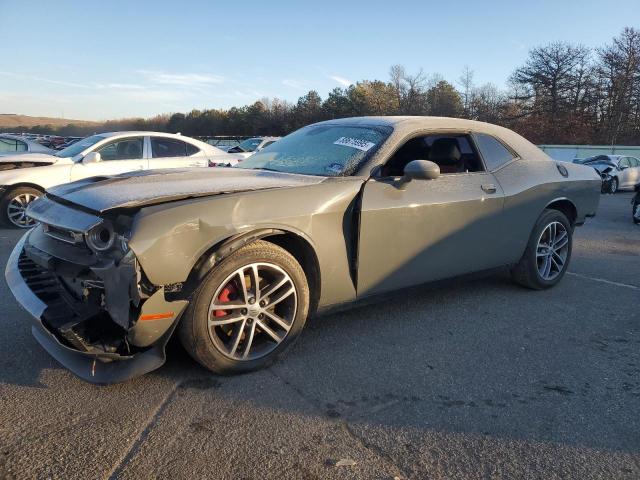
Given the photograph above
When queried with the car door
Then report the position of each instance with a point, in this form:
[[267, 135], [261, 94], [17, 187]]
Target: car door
[[623, 172], [121, 155], [630, 172], [427, 230], [174, 153]]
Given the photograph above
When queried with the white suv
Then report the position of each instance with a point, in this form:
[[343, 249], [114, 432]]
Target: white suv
[[23, 178]]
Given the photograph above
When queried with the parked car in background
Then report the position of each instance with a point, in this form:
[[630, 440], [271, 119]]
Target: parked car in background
[[16, 145], [248, 147], [68, 141], [236, 259], [625, 170], [222, 143], [24, 178]]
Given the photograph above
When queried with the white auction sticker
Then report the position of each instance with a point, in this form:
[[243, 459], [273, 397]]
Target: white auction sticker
[[354, 143]]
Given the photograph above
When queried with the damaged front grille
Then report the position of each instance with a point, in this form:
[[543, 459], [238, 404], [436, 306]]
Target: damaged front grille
[[66, 236], [82, 325]]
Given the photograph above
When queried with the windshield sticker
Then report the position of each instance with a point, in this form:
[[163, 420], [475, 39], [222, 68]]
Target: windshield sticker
[[354, 143]]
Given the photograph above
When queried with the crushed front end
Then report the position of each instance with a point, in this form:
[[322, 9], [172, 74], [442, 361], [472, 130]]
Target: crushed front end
[[94, 309]]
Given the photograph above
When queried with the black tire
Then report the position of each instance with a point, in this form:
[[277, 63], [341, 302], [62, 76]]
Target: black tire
[[635, 212], [614, 185], [194, 331], [7, 199], [526, 272]]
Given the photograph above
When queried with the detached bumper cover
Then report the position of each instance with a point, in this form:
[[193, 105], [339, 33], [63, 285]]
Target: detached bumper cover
[[32, 290]]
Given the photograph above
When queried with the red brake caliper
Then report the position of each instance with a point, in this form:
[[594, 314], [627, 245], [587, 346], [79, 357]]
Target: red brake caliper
[[224, 298]]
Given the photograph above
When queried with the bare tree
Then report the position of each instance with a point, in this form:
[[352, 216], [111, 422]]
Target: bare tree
[[619, 71], [466, 83]]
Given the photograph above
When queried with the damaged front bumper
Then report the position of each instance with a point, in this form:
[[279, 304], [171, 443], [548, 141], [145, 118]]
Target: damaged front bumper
[[103, 329]]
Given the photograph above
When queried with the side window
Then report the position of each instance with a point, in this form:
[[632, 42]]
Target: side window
[[192, 149], [452, 153], [634, 162], [624, 162], [11, 145], [168, 147], [494, 153], [122, 149]]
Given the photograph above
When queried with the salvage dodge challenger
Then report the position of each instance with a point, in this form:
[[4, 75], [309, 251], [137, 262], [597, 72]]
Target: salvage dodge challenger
[[234, 260]]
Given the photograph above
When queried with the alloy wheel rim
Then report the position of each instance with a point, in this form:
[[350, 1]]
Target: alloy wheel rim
[[17, 210], [552, 250], [252, 311]]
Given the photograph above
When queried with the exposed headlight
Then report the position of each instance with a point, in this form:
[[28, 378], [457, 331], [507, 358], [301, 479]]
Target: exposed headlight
[[101, 238]]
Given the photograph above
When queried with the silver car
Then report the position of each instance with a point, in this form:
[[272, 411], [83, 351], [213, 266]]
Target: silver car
[[17, 145], [236, 259], [625, 172]]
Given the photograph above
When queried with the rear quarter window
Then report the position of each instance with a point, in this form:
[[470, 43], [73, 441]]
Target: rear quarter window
[[494, 153]]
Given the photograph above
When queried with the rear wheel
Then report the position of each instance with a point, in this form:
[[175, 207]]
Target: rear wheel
[[249, 309], [636, 210], [13, 207], [548, 252]]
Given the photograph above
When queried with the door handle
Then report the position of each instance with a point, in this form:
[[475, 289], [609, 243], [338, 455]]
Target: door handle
[[489, 188]]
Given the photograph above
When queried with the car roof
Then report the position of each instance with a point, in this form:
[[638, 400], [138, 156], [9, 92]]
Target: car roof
[[404, 126], [15, 137], [603, 157], [202, 145], [409, 124], [142, 132]]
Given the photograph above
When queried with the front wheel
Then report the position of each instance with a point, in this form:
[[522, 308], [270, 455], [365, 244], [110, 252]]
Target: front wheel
[[636, 210], [548, 252], [248, 310], [13, 207], [614, 185]]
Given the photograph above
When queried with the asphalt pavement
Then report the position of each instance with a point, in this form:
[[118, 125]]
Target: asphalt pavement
[[477, 379]]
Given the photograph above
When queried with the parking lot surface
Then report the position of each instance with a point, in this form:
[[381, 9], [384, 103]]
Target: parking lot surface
[[476, 379]]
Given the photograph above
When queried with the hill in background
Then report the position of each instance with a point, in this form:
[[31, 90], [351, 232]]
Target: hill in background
[[10, 121]]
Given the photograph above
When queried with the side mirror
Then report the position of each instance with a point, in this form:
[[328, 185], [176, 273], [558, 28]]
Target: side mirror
[[92, 157], [421, 170]]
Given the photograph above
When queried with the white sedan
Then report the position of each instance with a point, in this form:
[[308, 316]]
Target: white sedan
[[17, 145], [625, 171], [23, 178]]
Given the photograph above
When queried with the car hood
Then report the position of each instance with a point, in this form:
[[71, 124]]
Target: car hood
[[137, 189], [29, 157], [600, 167]]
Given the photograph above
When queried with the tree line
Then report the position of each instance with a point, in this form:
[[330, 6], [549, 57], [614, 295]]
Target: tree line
[[563, 93]]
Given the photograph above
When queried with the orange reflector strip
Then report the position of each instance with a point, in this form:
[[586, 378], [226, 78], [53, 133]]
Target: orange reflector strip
[[156, 316]]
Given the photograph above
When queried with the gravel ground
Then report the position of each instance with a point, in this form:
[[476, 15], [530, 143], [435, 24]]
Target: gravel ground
[[474, 379]]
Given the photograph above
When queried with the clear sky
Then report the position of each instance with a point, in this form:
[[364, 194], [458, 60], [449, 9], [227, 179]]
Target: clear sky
[[114, 59]]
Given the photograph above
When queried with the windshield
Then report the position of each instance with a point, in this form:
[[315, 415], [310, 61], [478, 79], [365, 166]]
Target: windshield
[[250, 144], [80, 145], [326, 150]]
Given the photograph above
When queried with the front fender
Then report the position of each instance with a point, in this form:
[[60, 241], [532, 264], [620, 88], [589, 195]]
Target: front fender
[[170, 239], [40, 177]]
